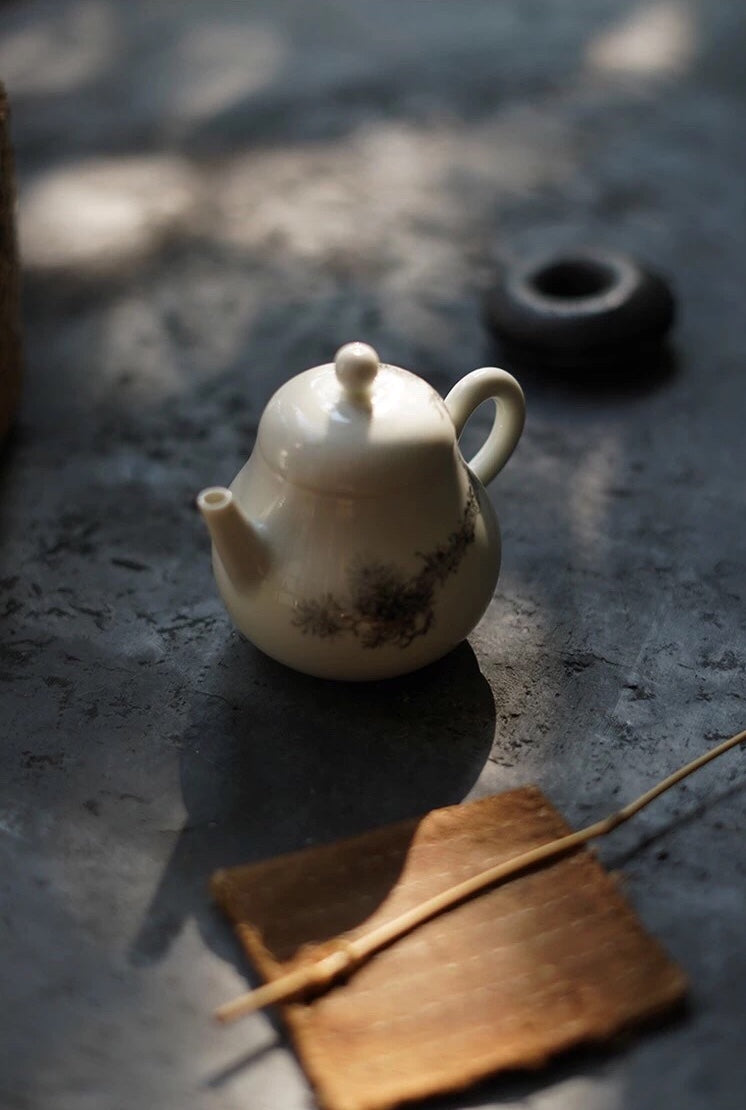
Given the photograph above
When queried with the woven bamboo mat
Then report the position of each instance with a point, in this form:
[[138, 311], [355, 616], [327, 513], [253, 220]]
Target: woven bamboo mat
[[551, 959]]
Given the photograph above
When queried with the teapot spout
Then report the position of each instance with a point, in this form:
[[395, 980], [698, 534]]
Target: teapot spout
[[240, 548]]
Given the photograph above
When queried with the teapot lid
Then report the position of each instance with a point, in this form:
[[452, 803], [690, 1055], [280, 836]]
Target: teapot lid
[[356, 426]]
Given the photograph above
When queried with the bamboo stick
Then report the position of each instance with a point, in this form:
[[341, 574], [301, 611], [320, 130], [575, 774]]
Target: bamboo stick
[[320, 975]]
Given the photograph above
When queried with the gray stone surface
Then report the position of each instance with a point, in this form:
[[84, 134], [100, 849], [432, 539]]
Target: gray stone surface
[[215, 196]]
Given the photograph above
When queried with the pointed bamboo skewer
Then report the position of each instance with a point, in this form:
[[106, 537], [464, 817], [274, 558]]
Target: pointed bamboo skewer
[[321, 974]]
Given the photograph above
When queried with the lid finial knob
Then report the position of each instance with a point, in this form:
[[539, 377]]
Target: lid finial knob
[[356, 365]]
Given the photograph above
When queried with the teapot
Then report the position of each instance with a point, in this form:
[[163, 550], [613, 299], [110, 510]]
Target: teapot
[[356, 542]]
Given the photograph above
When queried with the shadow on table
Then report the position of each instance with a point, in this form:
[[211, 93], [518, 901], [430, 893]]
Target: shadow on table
[[515, 1088], [274, 761], [608, 383]]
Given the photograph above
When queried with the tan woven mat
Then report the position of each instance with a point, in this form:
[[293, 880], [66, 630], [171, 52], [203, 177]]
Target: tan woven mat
[[552, 958]]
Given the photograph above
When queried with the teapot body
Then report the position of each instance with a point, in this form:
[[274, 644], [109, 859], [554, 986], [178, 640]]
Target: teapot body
[[356, 542], [362, 588]]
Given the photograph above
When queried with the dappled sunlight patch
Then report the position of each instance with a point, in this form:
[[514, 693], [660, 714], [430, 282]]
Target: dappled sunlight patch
[[153, 343], [589, 495], [102, 212], [392, 199], [217, 64], [57, 51], [137, 351], [655, 40], [383, 188]]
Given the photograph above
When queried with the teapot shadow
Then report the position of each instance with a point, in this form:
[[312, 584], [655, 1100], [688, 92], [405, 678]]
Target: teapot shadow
[[274, 761]]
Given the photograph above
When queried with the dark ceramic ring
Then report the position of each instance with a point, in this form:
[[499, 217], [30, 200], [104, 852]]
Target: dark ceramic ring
[[585, 310]]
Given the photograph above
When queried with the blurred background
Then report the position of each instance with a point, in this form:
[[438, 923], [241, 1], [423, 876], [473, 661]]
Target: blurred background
[[213, 197], [193, 172]]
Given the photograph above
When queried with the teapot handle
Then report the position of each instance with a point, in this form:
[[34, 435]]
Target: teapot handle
[[486, 384]]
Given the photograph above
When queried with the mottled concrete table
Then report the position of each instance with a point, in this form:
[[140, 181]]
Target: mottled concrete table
[[214, 196]]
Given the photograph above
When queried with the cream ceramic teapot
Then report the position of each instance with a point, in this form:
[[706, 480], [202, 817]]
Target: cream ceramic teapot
[[356, 542]]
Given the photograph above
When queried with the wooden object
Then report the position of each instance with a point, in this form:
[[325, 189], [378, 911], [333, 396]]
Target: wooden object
[[10, 323], [349, 954], [549, 960]]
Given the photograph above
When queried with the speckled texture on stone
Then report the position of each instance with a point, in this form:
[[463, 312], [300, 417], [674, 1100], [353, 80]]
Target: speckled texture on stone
[[213, 197]]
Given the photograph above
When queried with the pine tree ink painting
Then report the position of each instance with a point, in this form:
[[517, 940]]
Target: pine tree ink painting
[[385, 606]]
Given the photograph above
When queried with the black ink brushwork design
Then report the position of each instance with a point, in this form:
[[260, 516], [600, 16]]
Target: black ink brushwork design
[[385, 606]]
